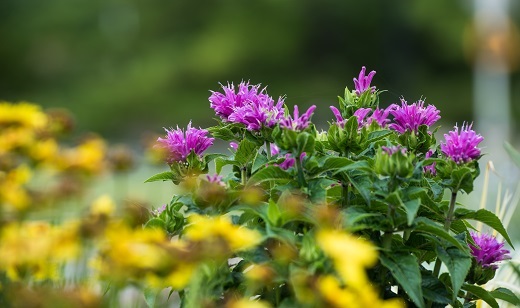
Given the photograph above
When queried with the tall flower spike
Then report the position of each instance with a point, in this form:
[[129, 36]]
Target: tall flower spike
[[489, 250], [298, 123], [363, 82], [461, 146], [410, 117], [179, 144]]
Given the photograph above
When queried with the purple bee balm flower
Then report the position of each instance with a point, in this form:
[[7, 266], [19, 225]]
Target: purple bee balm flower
[[461, 146], [489, 250], [158, 211], [363, 82], [361, 114], [233, 145], [394, 149], [298, 123], [339, 117], [249, 106], [179, 144], [288, 162], [410, 117], [274, 149], [380, 116], [216, 179], [430, 168]]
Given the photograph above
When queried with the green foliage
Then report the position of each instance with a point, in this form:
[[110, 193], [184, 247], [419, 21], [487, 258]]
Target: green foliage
[[345, 182]]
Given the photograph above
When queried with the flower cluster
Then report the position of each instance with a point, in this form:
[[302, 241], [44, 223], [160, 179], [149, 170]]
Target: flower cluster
[[462, 147], [410, 117], [298, 123], [179, 144], [249, 105], [488, 251], [362, 83]]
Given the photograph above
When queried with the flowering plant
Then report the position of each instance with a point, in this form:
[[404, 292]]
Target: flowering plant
[[353, 216]]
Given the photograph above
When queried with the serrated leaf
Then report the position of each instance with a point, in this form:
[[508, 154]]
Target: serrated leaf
[[405, 269], [462, 179], [434, 290], [489, 219], [163, 176], [506, 295], [426, 225], [305, 143], [221, 162], [333, 163], [458, 263], [246, 151], [270, 173], [259, 162], [362, 184], [482, 294]]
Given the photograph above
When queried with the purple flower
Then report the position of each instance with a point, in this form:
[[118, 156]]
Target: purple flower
[[410, 117], [233, 145], [430, 168], [298, 123], [288, 162], [489, 250], [179, 144], [394, 149], [216, 179], [274, 149], [461, 146], [158, 211], [380, 116], [363, 82], [249, 106], [361, 114]]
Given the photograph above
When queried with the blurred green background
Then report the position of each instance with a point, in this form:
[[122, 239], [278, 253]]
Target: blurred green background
[[124, 67], [127, 67]]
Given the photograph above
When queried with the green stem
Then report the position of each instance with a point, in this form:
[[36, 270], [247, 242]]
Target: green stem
[[387, 240], [301, 177], [447, 225], [268, 150], [244, 175], [345, 194]]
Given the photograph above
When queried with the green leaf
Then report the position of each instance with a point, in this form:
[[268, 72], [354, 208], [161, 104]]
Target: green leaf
[[333, 163], [513, 153], [482, 294], [305, 143], [405, 269], [458, 263], [163, 176], [363, 184], [273, 213], [150, 296], [155, 223], [270, 173], [489, 219], [428, 226], [433, 289], [259, 162], [411, 207], [222, 132], [246, 151], [461, 178], [221, 162], [506, 295]]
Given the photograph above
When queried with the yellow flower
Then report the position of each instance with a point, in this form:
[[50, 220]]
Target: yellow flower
[[337, 296], [212, 229], [22, 114], [351, 255], [87, 157], [12, 192], [44, 150], [247, 303], [35, 249], [102, 206]]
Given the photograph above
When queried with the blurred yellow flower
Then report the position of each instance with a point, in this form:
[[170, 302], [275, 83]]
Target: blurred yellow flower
[[213, 229], [87, 157], [35, 249], [103, 206], [12, 192], [22, 114], [337, 296], [247, 303], [351, 255]]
